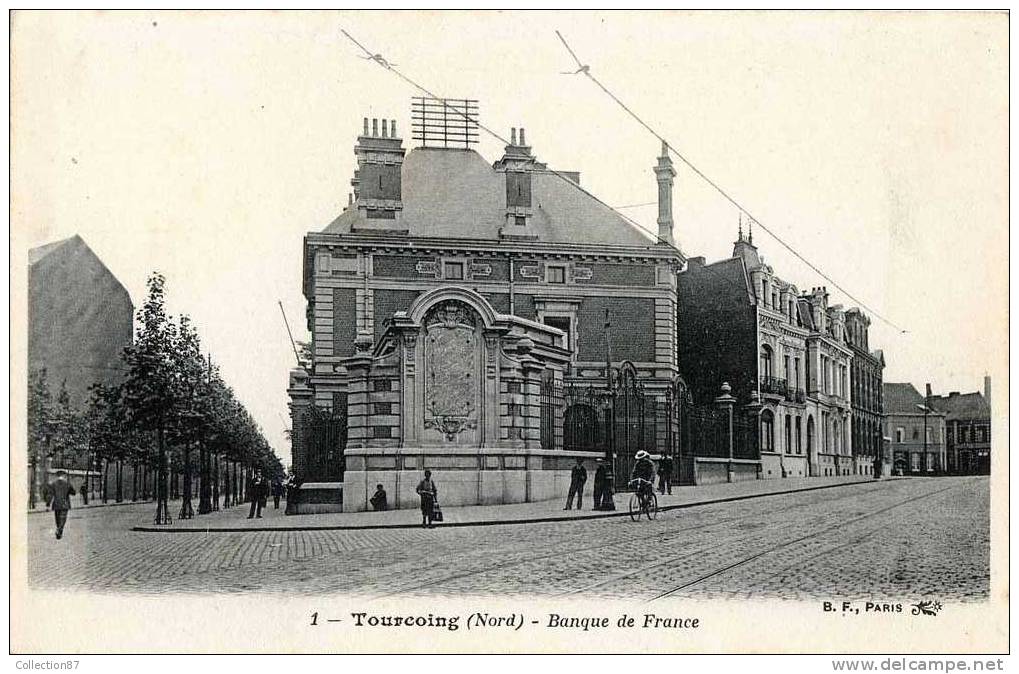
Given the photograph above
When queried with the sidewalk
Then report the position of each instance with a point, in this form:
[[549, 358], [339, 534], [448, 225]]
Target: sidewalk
[[235, 519], [76, 504]]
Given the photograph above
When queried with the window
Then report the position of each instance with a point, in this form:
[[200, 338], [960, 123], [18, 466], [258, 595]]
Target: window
[[916, 434], [764, 292], [788, 434], [561, 322], [900, 435], [799, 437], [453, 270], [796, 373], [765, 361], [767, 432], [785, 369], [555, 274], [520, 220]]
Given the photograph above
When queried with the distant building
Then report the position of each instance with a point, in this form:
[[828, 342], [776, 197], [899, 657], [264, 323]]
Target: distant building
[[865, 380], [80, 317], [968, 432], [916, 430]]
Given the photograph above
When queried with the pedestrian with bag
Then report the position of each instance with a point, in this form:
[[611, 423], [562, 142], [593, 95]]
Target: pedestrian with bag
[[578, 476], [429, 494], [58, 497]]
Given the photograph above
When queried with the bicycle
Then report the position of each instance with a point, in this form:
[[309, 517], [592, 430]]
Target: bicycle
[[643, 501]]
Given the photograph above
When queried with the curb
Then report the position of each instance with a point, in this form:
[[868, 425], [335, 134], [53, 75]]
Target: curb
[[488, 523], [37, 511]]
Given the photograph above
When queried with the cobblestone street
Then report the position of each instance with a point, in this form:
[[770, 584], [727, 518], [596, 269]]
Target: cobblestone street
[[889, 539]]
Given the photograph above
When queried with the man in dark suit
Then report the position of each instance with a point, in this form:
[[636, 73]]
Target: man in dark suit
[[58, 497], [578, 476], [257, 494]]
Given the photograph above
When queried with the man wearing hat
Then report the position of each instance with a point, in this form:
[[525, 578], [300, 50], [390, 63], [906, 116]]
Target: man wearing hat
[[578, 476], [58, 497], [643, 469]]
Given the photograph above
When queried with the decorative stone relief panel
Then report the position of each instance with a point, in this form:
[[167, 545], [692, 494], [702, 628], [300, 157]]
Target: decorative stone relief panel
[[451, 369]]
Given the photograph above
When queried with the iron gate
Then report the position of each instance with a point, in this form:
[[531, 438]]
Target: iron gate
[[616, 422]]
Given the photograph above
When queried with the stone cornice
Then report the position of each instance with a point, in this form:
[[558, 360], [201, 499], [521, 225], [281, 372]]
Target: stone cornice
[[495, 248]]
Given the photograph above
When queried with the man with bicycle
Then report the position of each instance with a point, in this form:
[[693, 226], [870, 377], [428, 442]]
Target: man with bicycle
[[643, 474]]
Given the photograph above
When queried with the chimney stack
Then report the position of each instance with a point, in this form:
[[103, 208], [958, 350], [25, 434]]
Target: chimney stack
[[522, 141], [665, 175], [377, 180], [513, 135], [987, 389]]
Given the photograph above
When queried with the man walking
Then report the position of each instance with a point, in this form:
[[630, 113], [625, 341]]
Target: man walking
[[257, 493], [58, 497], [578, 476], [277, 493]]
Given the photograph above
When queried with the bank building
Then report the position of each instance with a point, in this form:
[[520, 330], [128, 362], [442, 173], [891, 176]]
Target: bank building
[[492, 322]]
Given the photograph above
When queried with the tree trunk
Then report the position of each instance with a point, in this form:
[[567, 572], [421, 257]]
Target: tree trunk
[[204, 488], [162, 509], [119, 472], [215, 481], [35, 477], [106, 480], [186, 511], [88, 475]]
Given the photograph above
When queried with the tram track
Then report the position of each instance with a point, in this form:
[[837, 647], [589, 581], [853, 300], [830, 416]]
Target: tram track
[[637, 535], [786, 544]]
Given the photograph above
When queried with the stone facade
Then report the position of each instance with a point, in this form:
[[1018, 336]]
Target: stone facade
[[524, 256], [745, 325], [865, 378]]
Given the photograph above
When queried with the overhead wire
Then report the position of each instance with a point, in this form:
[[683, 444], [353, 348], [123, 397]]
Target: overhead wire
[[387, 65], [584, 69]]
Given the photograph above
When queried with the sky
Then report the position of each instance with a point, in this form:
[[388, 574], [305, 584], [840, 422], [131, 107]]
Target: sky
[[205, 146]]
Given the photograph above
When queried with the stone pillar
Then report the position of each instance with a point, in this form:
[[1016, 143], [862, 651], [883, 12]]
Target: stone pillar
[[725, 403], [753, 412]]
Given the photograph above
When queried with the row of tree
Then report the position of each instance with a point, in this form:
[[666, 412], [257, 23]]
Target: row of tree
[[169, 410]]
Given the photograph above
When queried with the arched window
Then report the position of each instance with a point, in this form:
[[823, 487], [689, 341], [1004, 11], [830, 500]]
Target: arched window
[[810, 434], [766, 368], [767, 431]]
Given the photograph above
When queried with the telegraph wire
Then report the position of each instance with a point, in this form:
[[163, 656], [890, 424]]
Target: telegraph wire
[[585, 69]]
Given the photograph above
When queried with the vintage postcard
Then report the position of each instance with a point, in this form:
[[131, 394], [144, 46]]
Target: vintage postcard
[[509, 332]]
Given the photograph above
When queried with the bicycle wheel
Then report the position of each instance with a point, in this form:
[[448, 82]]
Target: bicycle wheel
[[634, 507], [652, 506]]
